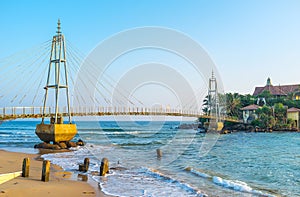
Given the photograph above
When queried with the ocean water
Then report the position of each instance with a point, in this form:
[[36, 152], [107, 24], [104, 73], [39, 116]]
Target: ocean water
[[192, 164]]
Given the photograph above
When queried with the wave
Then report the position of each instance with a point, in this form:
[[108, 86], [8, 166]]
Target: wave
[[159, 175], [198, 173], [140, 143], [100, 129], [116, 131], [235, 185], [17, 128], [19, 142], [6, 132], [144, 182], [133, 132], [5, 135]]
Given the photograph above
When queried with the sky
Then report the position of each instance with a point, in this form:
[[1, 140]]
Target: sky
[[248, 40]]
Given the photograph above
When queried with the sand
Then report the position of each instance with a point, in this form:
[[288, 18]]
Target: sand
[[59, 184]]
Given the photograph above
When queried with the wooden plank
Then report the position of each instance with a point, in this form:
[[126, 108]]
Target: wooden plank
[[9, 176]]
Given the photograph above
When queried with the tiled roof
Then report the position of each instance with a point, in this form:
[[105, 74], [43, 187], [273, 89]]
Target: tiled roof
[[281, 90], [293, 109], [250, 107]]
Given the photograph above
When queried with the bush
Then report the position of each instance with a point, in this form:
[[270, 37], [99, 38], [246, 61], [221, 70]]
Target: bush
[[255, 123]]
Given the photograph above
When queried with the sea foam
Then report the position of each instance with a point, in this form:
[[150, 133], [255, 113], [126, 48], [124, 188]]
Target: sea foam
[[229, 184], [144, 182]]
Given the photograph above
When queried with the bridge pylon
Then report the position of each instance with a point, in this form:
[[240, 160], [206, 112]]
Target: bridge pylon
[[214, 105], [57, 131]]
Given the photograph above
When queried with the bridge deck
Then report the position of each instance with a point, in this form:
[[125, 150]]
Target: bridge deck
[[36, 112]]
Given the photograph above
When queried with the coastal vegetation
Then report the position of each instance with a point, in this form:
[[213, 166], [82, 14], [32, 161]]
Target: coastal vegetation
[[271, 113]]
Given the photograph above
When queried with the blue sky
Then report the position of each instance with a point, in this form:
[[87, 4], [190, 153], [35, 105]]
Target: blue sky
[[249, 40]]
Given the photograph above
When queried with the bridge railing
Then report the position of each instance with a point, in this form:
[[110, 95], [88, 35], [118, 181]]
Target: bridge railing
[[25, 110], [108, 110], [36, 112]]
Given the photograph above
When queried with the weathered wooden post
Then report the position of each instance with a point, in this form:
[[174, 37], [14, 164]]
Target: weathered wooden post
[[104, 168], [81, 167], [46, 171], [85, 166], [25, 167], [159, 153], [82, 177]]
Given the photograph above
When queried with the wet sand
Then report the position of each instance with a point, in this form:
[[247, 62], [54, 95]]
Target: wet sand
[[60, 183]]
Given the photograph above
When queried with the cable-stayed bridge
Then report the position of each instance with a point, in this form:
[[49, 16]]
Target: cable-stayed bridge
[[9, 113], [57, 62]]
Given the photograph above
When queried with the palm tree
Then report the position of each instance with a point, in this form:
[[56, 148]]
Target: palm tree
[[233, 104], [205, 105]]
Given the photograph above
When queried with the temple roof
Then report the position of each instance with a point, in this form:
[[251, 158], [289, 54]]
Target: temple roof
[[250, 107], [293, 109], [281, 90]]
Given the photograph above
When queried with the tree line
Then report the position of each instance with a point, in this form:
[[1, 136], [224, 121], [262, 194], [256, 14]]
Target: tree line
[[271, 114]]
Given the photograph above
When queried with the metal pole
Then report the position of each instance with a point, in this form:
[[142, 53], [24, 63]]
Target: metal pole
[[57, 73], [48, 79], [66, 76]]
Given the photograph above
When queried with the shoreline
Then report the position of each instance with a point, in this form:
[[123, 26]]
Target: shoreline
[[61, 183]]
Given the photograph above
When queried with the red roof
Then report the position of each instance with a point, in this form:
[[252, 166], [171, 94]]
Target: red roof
[[281, 90], [293, 109], [250, 107]]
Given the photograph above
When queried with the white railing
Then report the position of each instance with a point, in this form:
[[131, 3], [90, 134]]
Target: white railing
[[18, 112]]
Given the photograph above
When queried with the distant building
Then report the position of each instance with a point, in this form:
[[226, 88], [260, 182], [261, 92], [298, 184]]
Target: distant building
[[249, 113], [280, 90], [294, 114]]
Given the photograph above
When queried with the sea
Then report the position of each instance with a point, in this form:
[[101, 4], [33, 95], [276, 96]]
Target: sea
[[192, 163]]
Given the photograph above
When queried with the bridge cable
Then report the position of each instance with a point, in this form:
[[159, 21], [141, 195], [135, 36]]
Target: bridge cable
[[25, 65], [93, 65]]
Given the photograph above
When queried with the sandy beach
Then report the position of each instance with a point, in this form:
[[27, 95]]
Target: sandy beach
[[59, 184]]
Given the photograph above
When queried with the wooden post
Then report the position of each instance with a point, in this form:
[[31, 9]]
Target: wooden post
[[104, 168], [82, 177], [85, 166], [25, 167], [46, 171], [159, 153], [81, 167]]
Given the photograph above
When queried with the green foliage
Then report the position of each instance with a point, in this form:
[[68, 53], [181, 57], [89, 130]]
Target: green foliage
[[255, 123], [280, 113], [266, 121], [202, 120], [246, 100], [265, 110], [205, 105], [273, 114], [267, 95], [233, 105], [292, 103], [290, 121], [229, 124]]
